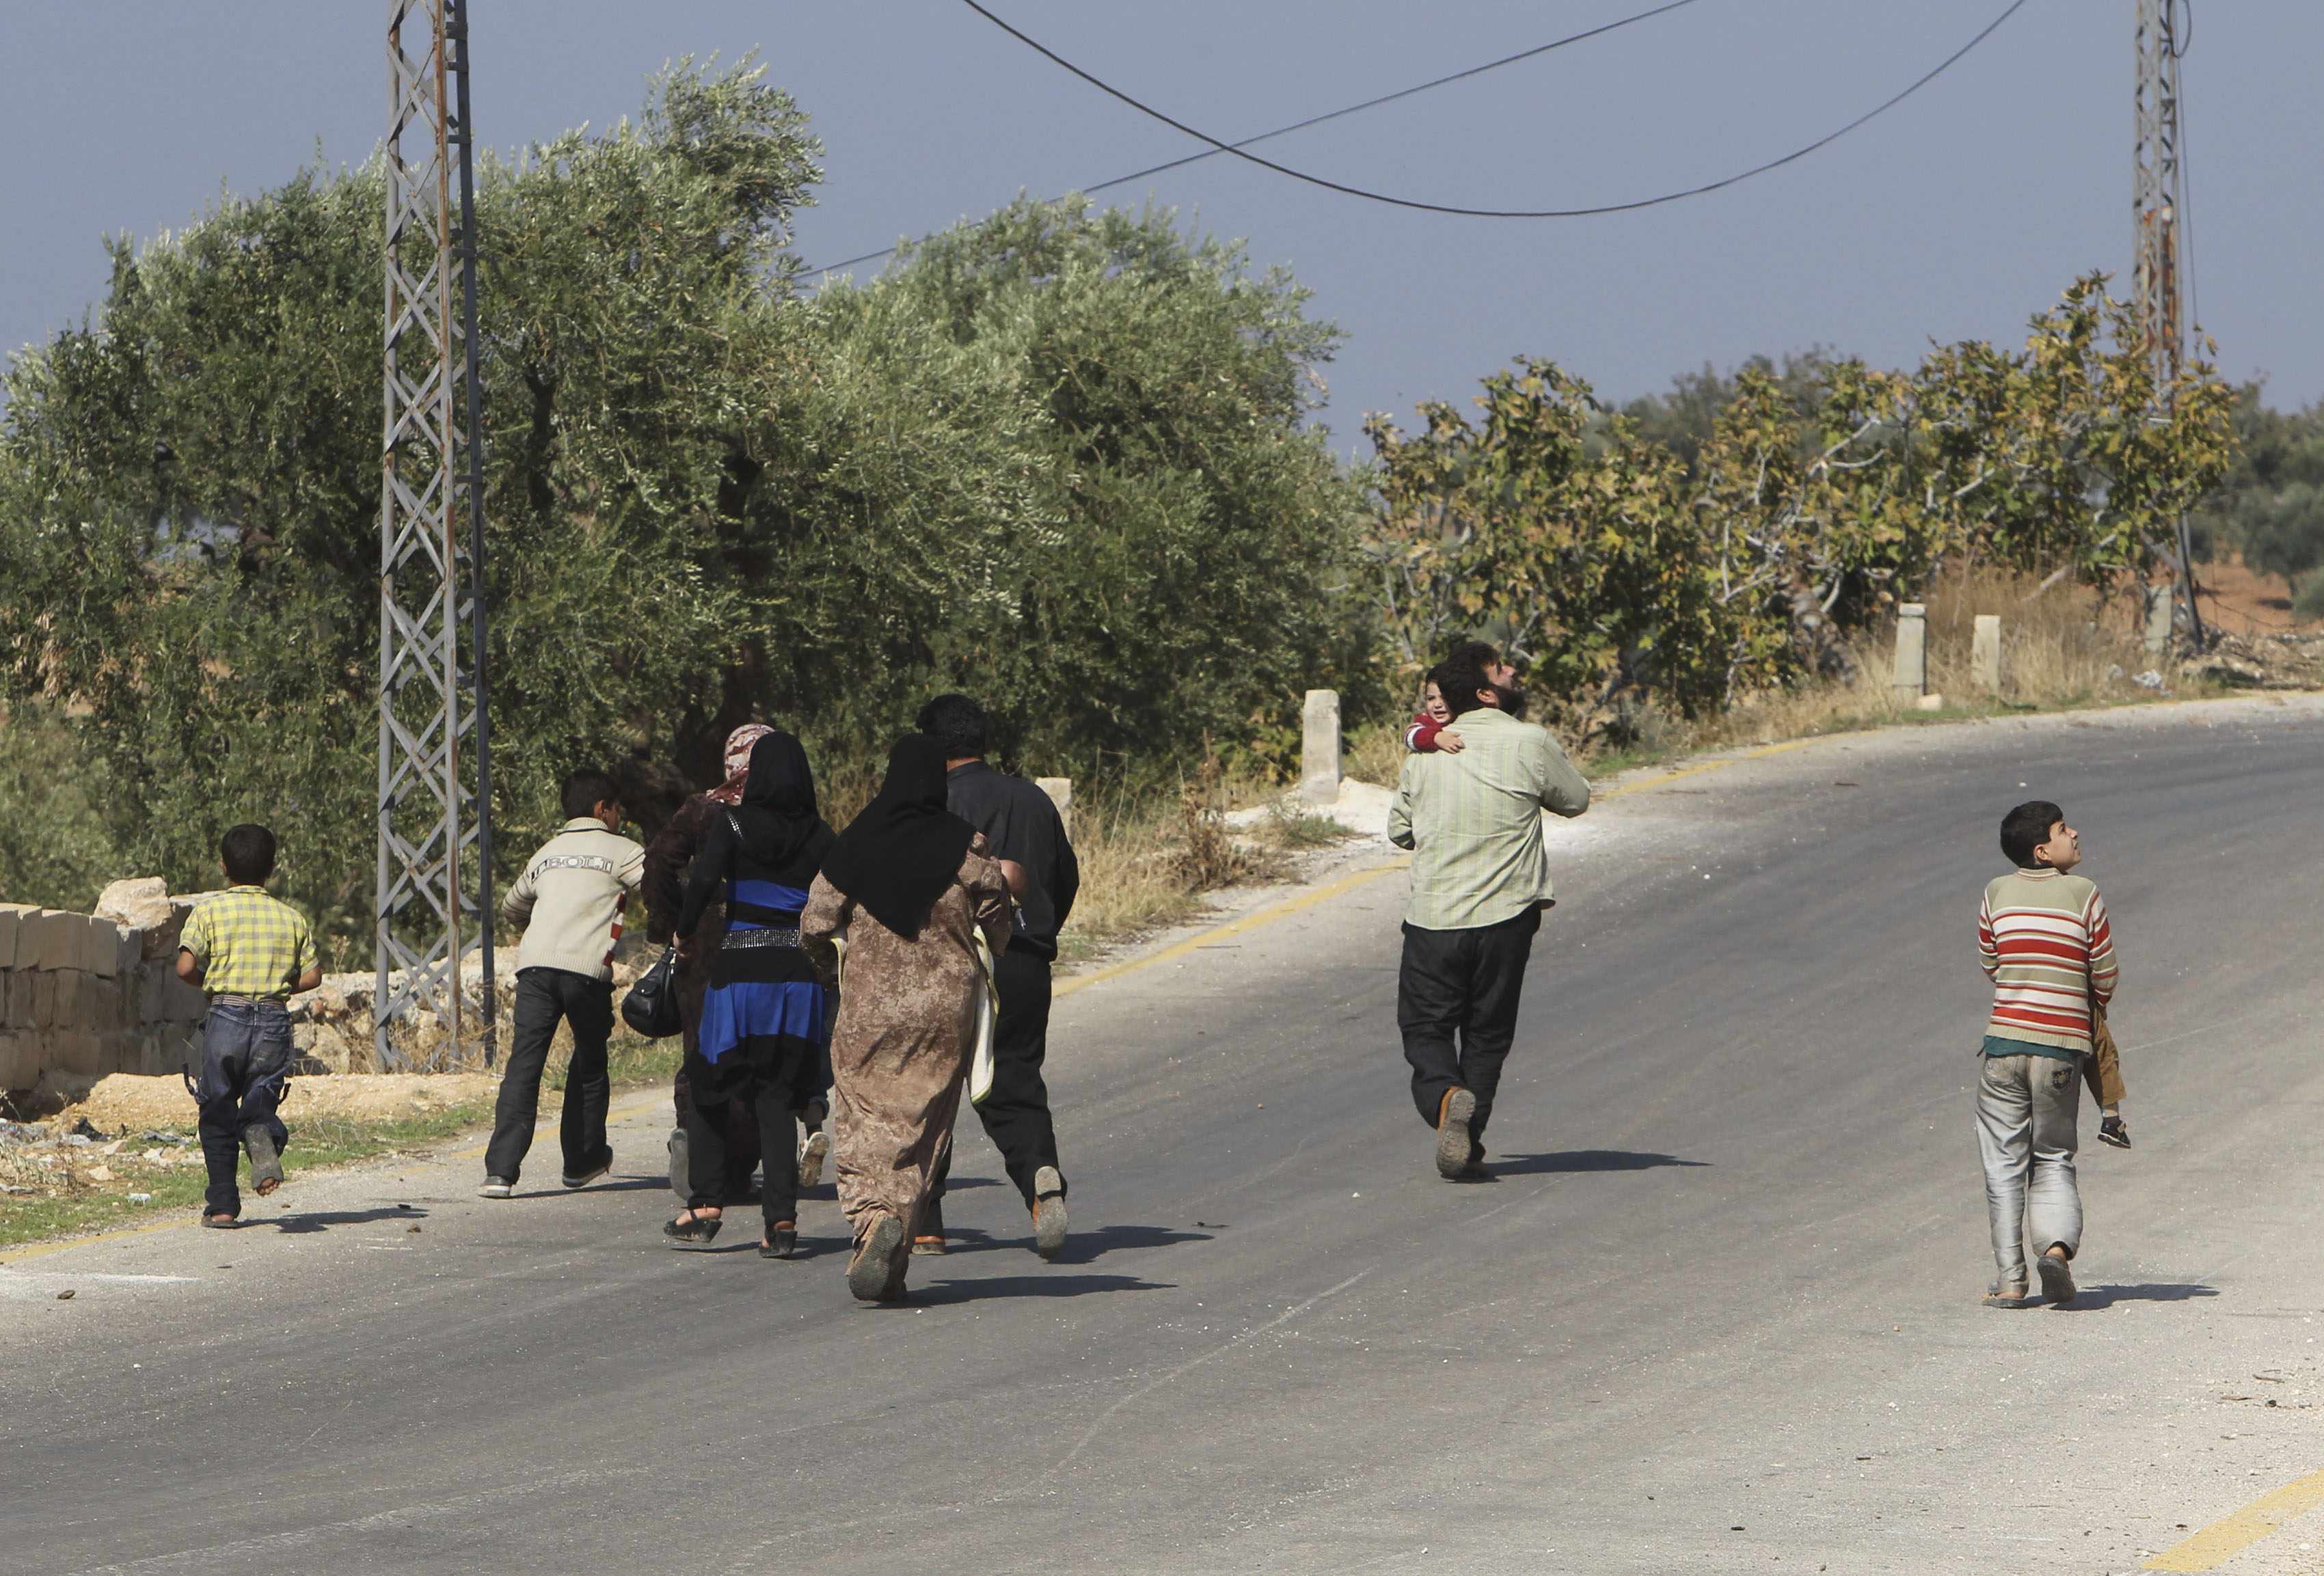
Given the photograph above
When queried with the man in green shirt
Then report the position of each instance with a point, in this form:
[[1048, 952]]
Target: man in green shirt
[[1480, 881]]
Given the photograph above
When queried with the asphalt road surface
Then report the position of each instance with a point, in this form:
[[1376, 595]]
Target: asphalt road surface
[[1717, 1311]]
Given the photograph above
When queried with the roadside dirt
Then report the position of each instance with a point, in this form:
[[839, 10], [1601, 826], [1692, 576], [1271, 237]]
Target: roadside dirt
[[125, 1101]]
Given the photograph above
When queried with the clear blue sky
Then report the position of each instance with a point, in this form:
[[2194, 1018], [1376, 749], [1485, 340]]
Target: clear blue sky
[[1955, 215]]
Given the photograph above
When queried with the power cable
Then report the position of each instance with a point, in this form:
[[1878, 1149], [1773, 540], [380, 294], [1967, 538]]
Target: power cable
[[1434, 207], [1316, 120]]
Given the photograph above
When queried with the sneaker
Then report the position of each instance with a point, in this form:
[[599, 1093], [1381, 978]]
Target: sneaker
[[1452, 1141], [812, 1154], [1048, 1212], [265, 1165], [588, 1174], [496, 1187], [2111, 1130], [2057, 1279]]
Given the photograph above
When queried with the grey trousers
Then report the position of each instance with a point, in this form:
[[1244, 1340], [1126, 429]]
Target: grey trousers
[[2025, 1110]]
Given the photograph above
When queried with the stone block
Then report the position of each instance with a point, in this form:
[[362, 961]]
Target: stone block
[[11, 921], [73, 1050], [16, 1010], [120, 1051], [44, 999], [141, 903], [1985, 652], [1319, 747], [163, 997], [1912, 673], [102, 941], [1060, 790], [20, 1065], [49, 938]]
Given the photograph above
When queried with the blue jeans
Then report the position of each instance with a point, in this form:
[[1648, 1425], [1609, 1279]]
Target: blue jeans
[[245, 1067]]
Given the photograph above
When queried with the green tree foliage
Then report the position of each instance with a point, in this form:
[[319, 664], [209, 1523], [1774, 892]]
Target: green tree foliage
[[1057, 458], [1613, 565], [2270, 507]]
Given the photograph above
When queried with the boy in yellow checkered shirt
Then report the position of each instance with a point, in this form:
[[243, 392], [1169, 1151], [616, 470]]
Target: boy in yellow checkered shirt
[[249, 952]]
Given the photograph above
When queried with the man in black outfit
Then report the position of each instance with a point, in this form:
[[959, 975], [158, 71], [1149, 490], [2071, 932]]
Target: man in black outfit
[[1020, 826]]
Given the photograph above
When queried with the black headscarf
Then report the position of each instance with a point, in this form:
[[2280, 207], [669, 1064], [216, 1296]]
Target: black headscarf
[[781, 828], [897, 857]]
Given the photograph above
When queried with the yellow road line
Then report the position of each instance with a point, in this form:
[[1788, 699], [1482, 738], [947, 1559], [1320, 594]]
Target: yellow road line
[[2223, 1539], [1219, 933], [1349, 883]]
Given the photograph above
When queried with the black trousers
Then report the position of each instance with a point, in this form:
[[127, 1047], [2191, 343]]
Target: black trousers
[[1461, 986], [544, 998], [764, 1076], [245, 1068], [1016, 1114]]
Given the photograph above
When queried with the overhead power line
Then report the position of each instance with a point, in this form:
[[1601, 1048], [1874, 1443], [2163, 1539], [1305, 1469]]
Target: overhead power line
[[1331, 114], [1480, 213]]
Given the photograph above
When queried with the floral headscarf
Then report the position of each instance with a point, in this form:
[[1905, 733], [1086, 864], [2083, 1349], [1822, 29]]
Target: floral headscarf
[[739, 745]]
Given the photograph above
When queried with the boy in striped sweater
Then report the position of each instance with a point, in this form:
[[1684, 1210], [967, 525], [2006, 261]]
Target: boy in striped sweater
[[2045, 940]]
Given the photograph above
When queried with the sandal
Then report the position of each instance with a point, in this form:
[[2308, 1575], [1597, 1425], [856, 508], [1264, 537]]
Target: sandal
[[221, 1222], [1998, 1295], [693, 1228], [781, 1241], [929, 1247]]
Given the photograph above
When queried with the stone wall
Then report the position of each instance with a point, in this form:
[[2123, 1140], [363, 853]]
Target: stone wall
[[88, 994], [83, 995]]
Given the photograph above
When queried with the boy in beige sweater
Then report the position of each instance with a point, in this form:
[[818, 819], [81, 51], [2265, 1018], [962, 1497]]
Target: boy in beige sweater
[[569, 900]]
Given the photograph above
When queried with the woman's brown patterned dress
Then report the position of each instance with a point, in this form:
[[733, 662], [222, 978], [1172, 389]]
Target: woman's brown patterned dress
[[899, 1050]]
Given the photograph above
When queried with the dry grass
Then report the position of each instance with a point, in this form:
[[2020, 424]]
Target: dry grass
[[1147, 863], [2059, 649]]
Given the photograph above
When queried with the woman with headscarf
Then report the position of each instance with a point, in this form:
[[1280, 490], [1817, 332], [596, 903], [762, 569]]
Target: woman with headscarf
[[766, 1014], [668, 855], [909, 885]]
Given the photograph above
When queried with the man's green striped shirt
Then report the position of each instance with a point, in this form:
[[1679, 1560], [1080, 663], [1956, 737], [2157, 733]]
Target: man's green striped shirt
[[1472, 821]]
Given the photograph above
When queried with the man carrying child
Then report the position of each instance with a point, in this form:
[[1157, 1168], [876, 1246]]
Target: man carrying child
[[248, 952], [569, 902], [2045, 940], [1472, 817]]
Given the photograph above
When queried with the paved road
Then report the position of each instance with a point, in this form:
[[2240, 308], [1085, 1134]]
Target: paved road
[[1717, 1312]]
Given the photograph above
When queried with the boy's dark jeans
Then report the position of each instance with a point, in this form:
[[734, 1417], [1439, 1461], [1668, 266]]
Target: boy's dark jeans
[[1466, 984], [245, 1067], [543, 998]]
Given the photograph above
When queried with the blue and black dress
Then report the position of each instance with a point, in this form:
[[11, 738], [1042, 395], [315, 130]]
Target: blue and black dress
[[767, 1014]]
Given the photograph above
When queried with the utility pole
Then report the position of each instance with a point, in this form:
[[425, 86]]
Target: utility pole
[[430, 584], [2158, 199]]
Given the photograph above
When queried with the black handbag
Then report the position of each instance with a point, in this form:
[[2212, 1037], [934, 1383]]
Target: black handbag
[[652, 1006]]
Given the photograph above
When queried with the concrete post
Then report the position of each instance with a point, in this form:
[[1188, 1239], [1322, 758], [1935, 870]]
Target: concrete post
[[1912, 677], [1060, 790], [1319, 751], [1985, 653], [2159, 613]]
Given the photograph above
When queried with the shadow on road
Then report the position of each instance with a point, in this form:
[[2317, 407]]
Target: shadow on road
[[1081, 1247], [2091, 1299], [936, 1293], [324, 1219], [1585, 1160]]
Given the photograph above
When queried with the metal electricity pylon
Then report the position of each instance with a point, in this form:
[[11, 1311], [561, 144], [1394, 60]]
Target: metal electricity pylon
[[2159, 203], [435, 784]]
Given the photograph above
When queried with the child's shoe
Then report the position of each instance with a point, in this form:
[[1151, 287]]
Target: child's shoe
[[2112, 1131]]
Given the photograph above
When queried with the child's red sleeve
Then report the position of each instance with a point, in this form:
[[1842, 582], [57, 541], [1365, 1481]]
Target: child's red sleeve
[[1421, 737]]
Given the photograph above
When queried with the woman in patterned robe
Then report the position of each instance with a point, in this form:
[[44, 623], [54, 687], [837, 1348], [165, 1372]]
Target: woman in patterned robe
[[907, 887]]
